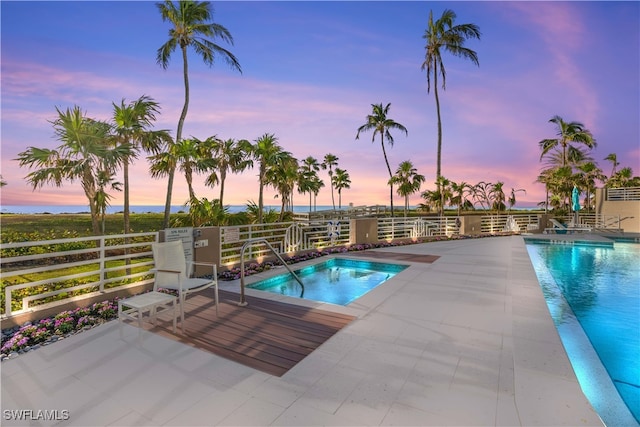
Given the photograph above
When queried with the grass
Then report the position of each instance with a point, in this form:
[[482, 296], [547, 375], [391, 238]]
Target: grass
[[76, 224]]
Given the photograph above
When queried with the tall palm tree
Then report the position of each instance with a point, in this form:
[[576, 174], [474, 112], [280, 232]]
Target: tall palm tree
[[512, 196], [340, 181], [192, 26], [444, 35], [460, 191], [497, 196], [381, 124], [329, 162], [86, 154], [188, 155], [408, 180], [309, 175], [568, 133], [282, 175], [132, 123], [227, 156], [613, 158], [267, 152], [623, 178], [586, 178]]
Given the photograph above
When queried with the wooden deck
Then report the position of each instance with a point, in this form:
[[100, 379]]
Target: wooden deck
[[398, 256], [266, 335]]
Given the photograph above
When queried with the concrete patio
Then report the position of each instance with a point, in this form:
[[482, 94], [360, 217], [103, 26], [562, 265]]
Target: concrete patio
[[466, 340]]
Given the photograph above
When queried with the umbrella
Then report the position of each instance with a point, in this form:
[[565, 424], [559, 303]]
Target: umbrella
[[575, 199]]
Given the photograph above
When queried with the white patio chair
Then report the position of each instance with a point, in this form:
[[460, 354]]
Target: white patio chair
[[172, 271]]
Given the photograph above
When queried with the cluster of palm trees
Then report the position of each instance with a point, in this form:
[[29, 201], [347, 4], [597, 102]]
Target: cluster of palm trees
[[568, 163], [465, 197], [93, 151]]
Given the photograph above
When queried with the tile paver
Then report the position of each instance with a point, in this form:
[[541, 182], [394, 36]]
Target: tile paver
[[466, 340]]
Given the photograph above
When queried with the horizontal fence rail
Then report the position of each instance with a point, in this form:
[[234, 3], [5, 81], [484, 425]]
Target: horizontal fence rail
[[53, 270], [285, 237], [623, 194], [35, 274]]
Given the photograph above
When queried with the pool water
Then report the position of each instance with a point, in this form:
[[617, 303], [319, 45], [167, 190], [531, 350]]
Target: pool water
[[597, 286], [336, 281]]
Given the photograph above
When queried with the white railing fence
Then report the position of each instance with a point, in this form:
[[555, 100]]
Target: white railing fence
[[285, 237], [596, 221], [623, 194], [66, 268], [516, 223], [415, 227]]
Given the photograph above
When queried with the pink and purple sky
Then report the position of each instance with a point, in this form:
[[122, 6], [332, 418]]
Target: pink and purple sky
[[311, 71]]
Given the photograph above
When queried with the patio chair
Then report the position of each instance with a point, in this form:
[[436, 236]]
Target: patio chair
[[172, 271]]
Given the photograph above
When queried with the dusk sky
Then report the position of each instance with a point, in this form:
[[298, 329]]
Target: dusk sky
[[311, 71]]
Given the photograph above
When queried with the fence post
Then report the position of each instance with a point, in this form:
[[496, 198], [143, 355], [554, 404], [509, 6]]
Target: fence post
[[102, 264]]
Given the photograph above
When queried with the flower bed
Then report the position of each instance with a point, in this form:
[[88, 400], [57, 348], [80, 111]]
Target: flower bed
[[31, 336], [253, 268]]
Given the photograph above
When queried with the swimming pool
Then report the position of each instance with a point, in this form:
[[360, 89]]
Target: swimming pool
[[336, 280], [593, 289]]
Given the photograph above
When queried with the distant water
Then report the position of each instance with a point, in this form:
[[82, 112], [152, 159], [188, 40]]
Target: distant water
[[60, 209]]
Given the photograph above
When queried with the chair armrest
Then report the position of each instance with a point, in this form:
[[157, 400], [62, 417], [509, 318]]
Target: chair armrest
[[213, 266], [160, 270]]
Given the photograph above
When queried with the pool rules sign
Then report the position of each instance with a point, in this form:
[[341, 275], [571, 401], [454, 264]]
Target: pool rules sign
[[185, 234]]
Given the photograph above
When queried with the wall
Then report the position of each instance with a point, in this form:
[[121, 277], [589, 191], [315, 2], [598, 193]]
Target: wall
[[627, 210]]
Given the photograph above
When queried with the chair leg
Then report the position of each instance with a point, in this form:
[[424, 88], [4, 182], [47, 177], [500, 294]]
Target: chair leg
[[182, 298], [215, 289]]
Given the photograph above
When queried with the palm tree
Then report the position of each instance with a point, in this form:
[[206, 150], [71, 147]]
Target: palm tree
[[227, 156], [340, 181], [497, 196], [131, 126], [408, 180], [568, 132], [328, 163], [444, 35], [512, 196], [586, 178], [267, 153], [613, 158], [309, 176], [188, 154], [380, 123], [282, 176], [2, 181], [623, 178], [460, 191], [191, 27], [86, 154]]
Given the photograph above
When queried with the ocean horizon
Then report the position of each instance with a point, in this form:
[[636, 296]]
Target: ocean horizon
[[79, 209], [138, 209]]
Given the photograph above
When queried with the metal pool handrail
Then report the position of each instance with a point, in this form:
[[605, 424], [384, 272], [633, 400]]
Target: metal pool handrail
[[248, 243]]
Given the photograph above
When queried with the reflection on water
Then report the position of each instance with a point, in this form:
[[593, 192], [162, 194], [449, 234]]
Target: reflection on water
[[600, 288]]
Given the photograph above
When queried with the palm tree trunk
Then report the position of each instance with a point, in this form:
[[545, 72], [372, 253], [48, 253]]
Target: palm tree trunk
[[183, 116], [222, 178], [260, 194], [333, 202], [127, 222], [384, 152], [439, 151]]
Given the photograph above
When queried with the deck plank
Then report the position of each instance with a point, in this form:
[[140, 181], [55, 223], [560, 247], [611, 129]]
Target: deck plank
[[267, 335]]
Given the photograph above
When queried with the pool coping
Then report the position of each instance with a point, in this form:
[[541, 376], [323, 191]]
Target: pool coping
[[606, 399]]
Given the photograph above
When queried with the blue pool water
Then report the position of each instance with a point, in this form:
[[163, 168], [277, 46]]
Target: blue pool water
[[598, 287], [336, 281]]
